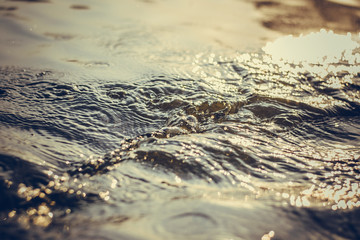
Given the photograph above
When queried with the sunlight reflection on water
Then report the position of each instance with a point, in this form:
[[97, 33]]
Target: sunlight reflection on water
[[324, 47]]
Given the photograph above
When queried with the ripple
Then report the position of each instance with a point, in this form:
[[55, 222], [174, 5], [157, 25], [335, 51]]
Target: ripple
[[60, 111], [190, 224], [245, 132]]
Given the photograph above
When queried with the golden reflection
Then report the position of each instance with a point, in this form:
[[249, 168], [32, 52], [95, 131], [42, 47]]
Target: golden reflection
[[40, 216], [331, 179], [105, 195], [208, 69], [293, 68], [40, 200], [338, 191], [268, 236], [12, 214], [306, 69], [322, 47]]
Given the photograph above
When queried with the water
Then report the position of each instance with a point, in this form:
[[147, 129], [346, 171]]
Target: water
[[179, 120]]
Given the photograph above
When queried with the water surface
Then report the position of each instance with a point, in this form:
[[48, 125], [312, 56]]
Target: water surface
[[179, 120]]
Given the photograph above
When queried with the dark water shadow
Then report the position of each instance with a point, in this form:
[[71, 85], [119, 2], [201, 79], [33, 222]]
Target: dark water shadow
[[295, 17], [79, 7]]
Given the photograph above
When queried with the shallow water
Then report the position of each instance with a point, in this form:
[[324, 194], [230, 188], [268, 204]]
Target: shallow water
[[179, 120]]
